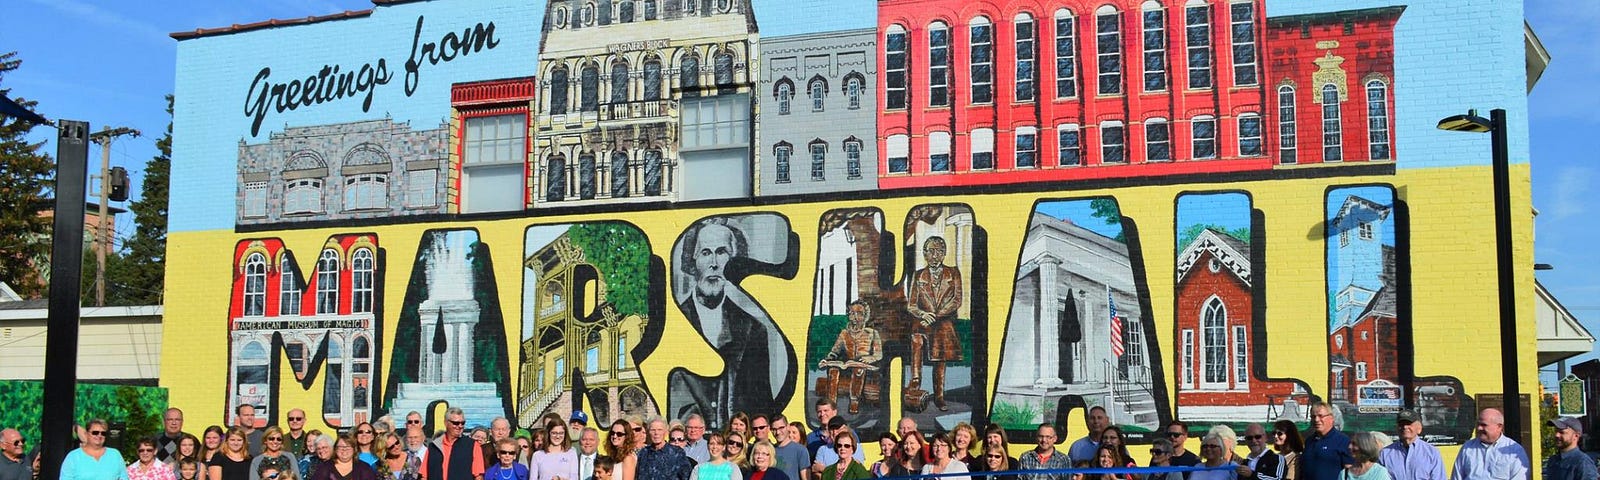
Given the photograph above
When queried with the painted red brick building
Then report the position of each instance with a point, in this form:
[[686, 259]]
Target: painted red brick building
[[997, 92]]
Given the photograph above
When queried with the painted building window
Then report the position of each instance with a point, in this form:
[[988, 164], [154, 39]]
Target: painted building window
[[555, 178], [1250, 135], [588, 14], [819, 93], [625, 11], [361, 369], [587, 174], [288, 289], [1113, 142], [366, 192], [1027, 57], [1069, 141], [619, 81], [561, 17], [981, 54], [1361, 371], [652, 78], [421, 191], [894, 73], [255, 285], [1378, 119], [1155, 46], [361, 271], [1027, 147], [1242, 19], [334, 382], [1197, 33], [1286, 125], [1108, 49], [650, 9], [783, 151], [1157, 140], [852, 89], [1241, 358], [1186, 360], [852, 158], [493, 154], [938, 64], [653, 174], [255, 200], [717, 122], [1214, 344], [819, 160], [1364, 231], [939, 152], [898, 152], [1204, 136], [689, 6], [724, 5], [558, 90], [689, 75], [622, 352], [1066, 55], [620, 174], [591, 360], [328, 282], [784, 91], [605, 12], [591, 87], [1133, 329], [722, 66], [982, 149], [1332, 131], [303, 196]]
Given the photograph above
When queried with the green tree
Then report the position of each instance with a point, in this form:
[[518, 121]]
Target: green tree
[[1189, 234], [622, 255], [1106, 210], [25, 175], [142, 273]]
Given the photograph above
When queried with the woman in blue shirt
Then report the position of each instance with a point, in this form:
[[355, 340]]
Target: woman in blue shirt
[[94, 461]]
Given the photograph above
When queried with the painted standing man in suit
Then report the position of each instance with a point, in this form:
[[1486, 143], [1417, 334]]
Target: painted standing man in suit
[[932, 298]]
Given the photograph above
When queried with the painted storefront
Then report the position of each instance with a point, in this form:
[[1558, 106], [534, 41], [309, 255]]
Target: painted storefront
[[980, 212]]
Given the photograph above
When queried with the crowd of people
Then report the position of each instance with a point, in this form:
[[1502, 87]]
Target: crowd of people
[[774, 447]]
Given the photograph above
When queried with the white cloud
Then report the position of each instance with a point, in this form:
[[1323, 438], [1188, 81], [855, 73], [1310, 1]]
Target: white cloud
[[1571, 192], [100, 16]]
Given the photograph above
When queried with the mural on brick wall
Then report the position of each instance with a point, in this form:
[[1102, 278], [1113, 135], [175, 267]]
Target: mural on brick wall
[[1079, 332], [588, 294], [933, 319], [450, 336], [1220, 330], [710, 259], [325, 319], [366, 169], [1370, 375]]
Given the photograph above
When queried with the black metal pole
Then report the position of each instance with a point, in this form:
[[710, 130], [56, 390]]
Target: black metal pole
[[1509, 370], [66, 266]]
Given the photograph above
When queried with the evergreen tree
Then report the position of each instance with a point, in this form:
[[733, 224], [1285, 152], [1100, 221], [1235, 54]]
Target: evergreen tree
[[25, 175], [143, 271]]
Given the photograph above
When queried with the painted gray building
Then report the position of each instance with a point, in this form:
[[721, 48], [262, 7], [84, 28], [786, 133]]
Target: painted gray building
[[365, 169], [818, 118]]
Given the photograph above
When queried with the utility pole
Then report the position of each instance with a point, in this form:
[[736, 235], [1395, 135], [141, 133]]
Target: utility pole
[[104, 138]]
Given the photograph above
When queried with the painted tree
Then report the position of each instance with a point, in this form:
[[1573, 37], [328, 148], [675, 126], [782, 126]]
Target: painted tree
[[25, 175], [1189, 234], [622, 255]]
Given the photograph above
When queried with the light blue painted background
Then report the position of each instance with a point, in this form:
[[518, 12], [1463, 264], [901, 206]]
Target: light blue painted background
[[1452, 55]]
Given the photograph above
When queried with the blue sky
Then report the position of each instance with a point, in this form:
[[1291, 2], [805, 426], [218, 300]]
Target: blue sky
[[110, 62]]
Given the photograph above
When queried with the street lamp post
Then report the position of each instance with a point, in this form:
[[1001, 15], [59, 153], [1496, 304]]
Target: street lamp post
[[1496, 126]]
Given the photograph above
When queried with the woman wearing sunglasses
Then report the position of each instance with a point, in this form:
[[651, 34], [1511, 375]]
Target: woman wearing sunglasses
[[994, 458], [735, 450], [1161, 456], [619, 448], [506, 466], [367, 444], [1287, 442], [848, 468], [398, 463], [272, 454], [147, 468]]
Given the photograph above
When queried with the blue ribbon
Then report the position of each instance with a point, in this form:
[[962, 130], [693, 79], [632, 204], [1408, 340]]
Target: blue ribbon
[[1067, 472]]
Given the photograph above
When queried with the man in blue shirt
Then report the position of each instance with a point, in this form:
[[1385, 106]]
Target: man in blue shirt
[[1570, 463], [1411, 458], [1491, 455], [661, 460], [1084, 449], [1327, 448]]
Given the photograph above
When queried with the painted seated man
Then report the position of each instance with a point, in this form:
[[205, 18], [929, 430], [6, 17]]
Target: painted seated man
[[855, 354]]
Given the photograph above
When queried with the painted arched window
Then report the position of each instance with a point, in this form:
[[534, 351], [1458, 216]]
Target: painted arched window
[[1027, 147], [1214, 344], [980, 50], [895, 75], [852, 88], [558, 90], [251, 371], [361, 369], [939, 152], [255, 285], [1250, 134], [1332, 129], [784, 152], [1197, 41], [625, 11], [652, 78], [1154, 19], [898, 152], [561, 17], [653, 171], [785, 94], [328, 282], [619, 80], [1066, 54], [591, 87], [586, 176], [819, 160], [818, 88], [334, 383], [982, 148], [938, 64], [555, 178], [1242, 24], [852, 154], [619, 174], [1069, 145], [650, 9], [722, 65], [1378, 119], [1108, 49], [1203, 136], [1286, 125], [689, 74], [1157, 140], [288, 289], [1113, 142], [605, 12], [361, 286]]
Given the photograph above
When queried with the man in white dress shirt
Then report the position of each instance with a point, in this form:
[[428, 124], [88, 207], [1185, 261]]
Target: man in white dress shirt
[[587, 445], [1492, 455]]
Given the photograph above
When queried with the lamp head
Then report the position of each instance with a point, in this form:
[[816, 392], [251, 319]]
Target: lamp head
[[1470, 122]]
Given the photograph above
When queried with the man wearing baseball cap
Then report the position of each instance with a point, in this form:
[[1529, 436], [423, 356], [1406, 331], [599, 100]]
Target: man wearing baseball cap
[[1570, 463], [575, 426], [1411, 458]]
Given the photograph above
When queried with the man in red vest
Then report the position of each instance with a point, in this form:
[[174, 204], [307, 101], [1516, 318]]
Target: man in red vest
[[451, 456]]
